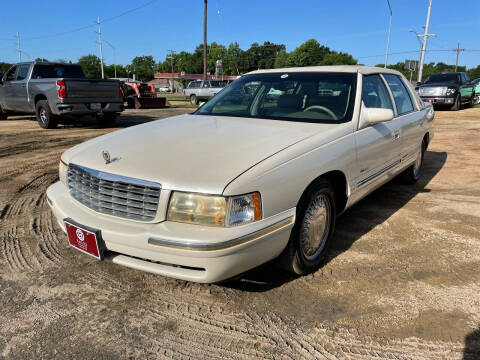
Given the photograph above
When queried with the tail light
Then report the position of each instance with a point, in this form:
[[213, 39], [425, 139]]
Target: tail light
[[62, 90], [121, 91]]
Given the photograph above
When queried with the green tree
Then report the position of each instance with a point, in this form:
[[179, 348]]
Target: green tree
[[308, 54], [281, 60], [4, 67], [338, 58], [143, 67], [474, 73], [91, 65], [41, 60]]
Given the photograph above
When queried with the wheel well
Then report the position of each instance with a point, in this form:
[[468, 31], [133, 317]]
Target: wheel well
[[338, 180], [39, 97]]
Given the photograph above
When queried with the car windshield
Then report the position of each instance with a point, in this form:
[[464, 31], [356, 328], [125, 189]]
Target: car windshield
[[296, 96], [58, 71], [443, 78]]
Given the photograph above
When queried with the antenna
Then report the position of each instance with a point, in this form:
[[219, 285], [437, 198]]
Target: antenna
[[101, 46]]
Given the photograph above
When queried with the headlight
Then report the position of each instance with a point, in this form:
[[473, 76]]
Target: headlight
[[451, 91], [62, 172], [214, 210]]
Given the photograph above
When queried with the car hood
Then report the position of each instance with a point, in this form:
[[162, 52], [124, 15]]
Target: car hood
[[191, 152], [441, 84]]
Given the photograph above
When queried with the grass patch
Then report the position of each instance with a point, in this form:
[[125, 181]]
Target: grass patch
[[187, 106]]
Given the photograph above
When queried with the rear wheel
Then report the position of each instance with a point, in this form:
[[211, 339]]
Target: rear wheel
[[193, 99], [313, 230], [413, 172], [106, 119], [3, 114], [456, 104], [44, 115], [471, 103]]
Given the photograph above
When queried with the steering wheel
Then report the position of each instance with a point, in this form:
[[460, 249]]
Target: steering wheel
[[322, 108]]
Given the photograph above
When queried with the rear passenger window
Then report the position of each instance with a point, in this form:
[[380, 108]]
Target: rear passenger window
[[400, 93], [23, 72], [375, 94]]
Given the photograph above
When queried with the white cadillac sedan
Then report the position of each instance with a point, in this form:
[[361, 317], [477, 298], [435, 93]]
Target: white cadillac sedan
[[260, 171]]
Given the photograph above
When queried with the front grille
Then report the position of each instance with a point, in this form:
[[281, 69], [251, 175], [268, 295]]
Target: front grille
[[113, 194], [432, 91]]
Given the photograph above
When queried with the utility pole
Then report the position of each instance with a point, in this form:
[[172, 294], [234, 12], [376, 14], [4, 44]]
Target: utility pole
[[171, 56], [100, 42], [114, 58], [458, 50], [425, 35], [18, 48], [204, 39], [388, 37]]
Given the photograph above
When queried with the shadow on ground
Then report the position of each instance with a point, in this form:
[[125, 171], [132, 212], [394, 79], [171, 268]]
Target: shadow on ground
[[472, 345], [352, 225]]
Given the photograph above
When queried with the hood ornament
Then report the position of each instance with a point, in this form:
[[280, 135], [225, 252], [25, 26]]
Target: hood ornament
[[106, 157]]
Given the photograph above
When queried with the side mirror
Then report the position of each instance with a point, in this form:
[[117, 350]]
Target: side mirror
[[377, 115], [418, 83]]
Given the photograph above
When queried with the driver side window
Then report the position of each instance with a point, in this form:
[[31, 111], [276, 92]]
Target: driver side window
[[10, 76], [375, 94]]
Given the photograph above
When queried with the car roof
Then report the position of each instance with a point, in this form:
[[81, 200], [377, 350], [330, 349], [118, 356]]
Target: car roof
[[366, 70]]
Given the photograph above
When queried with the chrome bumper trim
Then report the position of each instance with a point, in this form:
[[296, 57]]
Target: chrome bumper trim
[[186, 245]]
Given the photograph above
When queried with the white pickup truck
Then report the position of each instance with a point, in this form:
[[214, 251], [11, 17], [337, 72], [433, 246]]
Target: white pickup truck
[[203, 90]]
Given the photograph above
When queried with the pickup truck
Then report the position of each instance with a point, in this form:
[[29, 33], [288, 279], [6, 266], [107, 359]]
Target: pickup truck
[[203, 90], [53, 90], [448, 89]]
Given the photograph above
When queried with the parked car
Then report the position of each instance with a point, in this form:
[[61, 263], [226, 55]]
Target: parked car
[[164, 88], [53, 90], [246, 178], [202, 90], [448, 89], [476, 84]]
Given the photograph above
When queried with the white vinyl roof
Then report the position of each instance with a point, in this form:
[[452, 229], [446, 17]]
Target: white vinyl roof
[[336, 68]]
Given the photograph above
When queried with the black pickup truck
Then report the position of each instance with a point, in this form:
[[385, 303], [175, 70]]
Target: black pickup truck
[[53, 90], [448, 89]]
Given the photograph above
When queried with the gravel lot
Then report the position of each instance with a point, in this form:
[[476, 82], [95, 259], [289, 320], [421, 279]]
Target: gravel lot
[[402, 280]]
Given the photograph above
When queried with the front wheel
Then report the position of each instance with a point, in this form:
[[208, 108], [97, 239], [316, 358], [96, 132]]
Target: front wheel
[[3, 114], [106, 119], [456, 104], [193, 99], [45, 118], [313, 230]]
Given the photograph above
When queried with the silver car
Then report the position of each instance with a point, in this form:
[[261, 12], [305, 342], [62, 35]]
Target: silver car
[[260, 171]]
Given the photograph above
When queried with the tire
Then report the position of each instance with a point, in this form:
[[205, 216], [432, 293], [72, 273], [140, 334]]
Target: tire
[[44, 115], [193, 99], [471, 103], [3, 114], [106, 119], [413, 172], [456, 105], [312, 232]]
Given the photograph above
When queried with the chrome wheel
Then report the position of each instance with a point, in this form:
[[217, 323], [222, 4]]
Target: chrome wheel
[[43, 115], [316, 227]]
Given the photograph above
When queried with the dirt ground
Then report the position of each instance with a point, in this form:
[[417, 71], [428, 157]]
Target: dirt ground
[[402, 280]]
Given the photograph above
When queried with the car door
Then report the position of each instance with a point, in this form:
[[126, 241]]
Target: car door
[[409, 118], [378, 145], [466, 88], [19, 95], [7, 88]]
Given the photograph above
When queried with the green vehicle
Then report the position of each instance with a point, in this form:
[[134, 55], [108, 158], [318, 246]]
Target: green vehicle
[[476, 84]]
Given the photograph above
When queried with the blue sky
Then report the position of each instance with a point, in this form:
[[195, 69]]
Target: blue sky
[[355, 26]]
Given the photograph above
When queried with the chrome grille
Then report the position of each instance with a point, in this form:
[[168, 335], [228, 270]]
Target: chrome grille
[[432, 91], [113, 194]]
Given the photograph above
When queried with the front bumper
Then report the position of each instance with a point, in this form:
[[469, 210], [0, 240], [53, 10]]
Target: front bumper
[[183, 251], [438, 100], [85, 108]]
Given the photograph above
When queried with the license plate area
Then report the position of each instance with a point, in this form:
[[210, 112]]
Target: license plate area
[[85, 239], [96, 106]]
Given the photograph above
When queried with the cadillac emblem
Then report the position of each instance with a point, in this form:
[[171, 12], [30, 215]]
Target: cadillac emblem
[[106, 157]]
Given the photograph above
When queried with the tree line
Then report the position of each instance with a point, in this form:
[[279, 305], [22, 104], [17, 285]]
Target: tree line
[[237, 61]]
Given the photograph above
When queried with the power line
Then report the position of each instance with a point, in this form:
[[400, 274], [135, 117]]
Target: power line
[[89, 26]]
